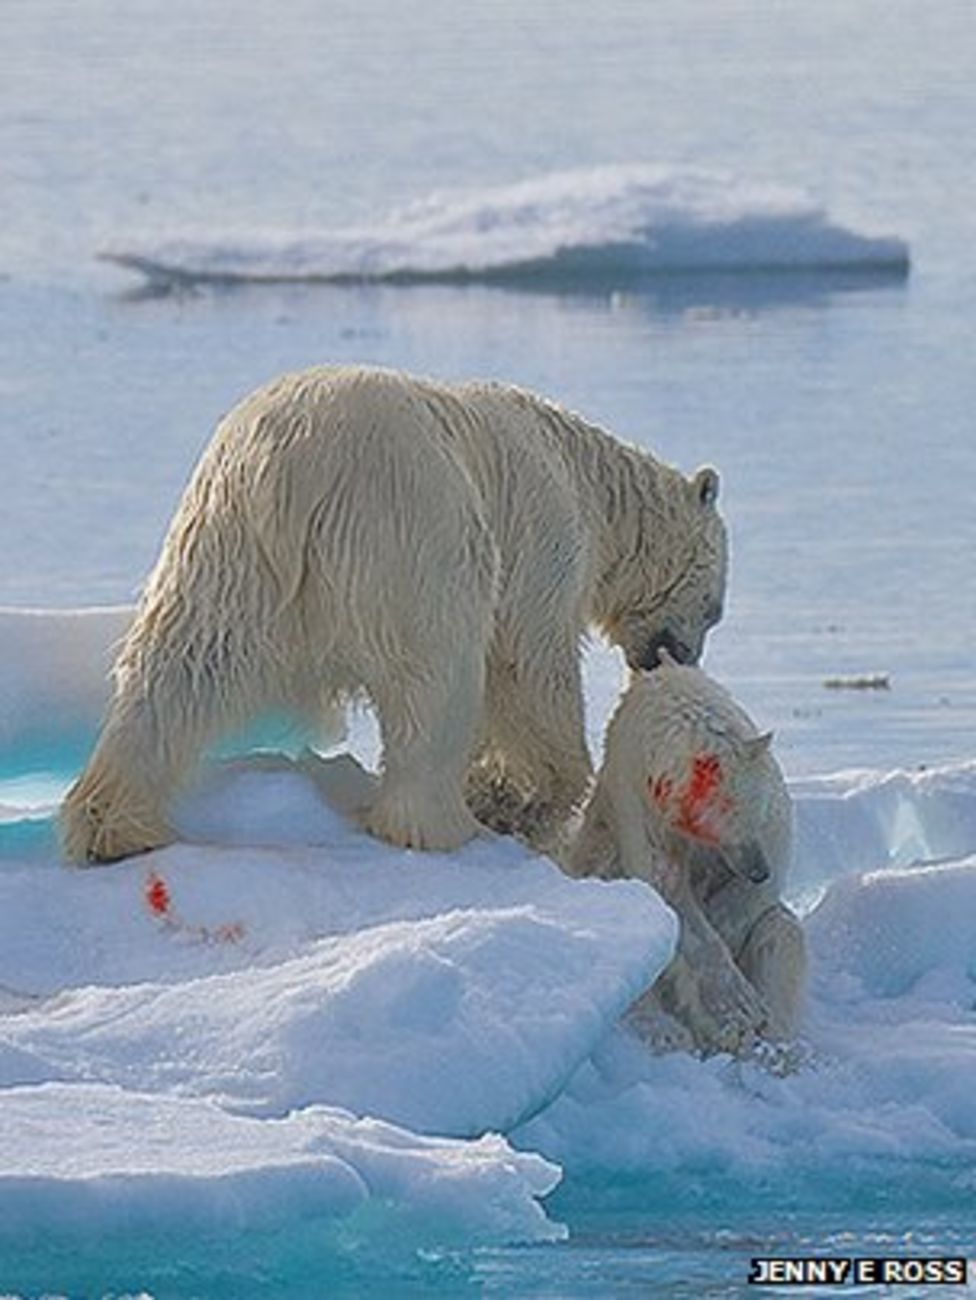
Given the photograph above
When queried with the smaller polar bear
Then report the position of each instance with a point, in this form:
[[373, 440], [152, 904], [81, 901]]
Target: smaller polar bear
[[691, 799]]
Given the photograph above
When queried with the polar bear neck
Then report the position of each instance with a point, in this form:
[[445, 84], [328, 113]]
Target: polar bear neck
[[647, 536], [624, 494]]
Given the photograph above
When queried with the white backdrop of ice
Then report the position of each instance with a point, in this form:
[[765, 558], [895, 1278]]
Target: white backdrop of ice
[[637, 217], [54, 668]]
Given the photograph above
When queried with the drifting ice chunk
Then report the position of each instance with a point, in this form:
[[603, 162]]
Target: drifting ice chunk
[[618, 220], [91, 1160]]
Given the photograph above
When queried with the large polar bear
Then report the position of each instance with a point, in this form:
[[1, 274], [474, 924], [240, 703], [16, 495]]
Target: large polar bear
[[438, 548], [690, 798]]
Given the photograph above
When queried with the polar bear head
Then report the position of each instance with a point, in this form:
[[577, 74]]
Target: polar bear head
[[666, 586], [707, 778]]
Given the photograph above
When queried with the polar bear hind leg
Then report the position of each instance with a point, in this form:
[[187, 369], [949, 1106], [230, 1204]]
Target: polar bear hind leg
[[159, 721]]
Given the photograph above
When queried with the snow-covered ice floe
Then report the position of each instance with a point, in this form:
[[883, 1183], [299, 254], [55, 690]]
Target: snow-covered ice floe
[[278, 1018], [453, 994], [248, 1003], [621, 220], [86, 1157]]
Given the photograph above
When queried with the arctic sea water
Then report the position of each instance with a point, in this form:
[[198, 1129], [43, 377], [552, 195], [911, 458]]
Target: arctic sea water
[[835, 400]]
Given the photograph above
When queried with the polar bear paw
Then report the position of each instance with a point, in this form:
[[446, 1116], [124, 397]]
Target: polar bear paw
[[419, 817], [721, 1009]]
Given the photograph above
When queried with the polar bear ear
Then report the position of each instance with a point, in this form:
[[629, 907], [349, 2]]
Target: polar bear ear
[[705, 485], [757, 745]]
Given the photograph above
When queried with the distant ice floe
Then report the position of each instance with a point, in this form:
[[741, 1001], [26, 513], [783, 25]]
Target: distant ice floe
[[623, 221]]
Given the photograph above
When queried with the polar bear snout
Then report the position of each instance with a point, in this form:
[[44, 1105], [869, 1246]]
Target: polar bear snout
[[649, 656], [748, 861]]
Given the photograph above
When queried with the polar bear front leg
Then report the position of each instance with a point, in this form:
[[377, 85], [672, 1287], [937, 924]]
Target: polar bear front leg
[[116, 807], [428, 728], [535, 736], [724, 1012], [774, 960], [703, 987]]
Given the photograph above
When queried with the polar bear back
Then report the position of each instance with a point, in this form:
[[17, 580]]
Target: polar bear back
[[307, 446]]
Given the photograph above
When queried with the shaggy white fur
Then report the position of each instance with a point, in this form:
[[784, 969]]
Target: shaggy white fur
[[691, 799], [440, 549]]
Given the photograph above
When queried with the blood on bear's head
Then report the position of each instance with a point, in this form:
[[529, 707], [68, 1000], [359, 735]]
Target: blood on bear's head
[[698, 804]]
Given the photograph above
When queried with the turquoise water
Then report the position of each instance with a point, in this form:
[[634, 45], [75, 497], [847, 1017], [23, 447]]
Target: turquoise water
[[627, 1238]]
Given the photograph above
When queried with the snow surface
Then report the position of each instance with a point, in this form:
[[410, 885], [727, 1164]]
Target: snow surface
[[637, 218], [279, 1017], [453, 994], [265, 1021]]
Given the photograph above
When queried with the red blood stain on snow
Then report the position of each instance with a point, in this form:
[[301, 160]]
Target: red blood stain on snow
[[702, 803], [160, 902], [233, 932], [157, 894]]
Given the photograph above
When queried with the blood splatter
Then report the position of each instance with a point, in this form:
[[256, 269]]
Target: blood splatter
[[159, 901], [703, 804], [157, 894], [233, 932]]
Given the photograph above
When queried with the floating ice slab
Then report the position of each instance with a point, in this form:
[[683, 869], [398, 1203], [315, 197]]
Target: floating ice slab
[[862, 821], [178, 1031], [631, 220], [458, 1023], [892, 930], [90, 1159], [453, 993]]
